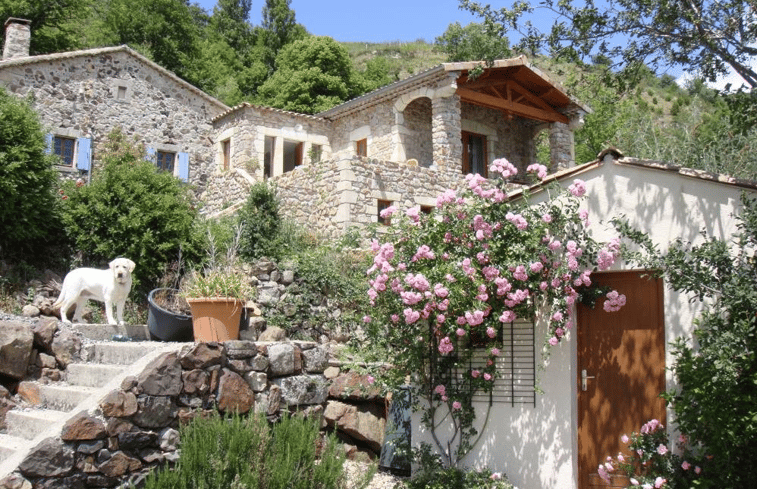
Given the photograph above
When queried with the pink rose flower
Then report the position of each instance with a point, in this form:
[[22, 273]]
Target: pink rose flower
[[456, 405]]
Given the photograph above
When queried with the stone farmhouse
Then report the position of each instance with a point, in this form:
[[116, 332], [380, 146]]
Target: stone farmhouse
[[402, 144]]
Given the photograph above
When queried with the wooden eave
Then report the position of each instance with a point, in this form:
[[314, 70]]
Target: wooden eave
[[516, 91]]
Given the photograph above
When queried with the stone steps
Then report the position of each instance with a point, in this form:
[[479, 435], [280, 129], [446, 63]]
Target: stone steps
[[103, 365]]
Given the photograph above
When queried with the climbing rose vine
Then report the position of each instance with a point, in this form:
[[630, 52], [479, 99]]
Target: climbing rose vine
[[444, 284]]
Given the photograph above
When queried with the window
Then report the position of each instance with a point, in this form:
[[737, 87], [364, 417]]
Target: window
[[121, 93], [427, 209], [165, 160], [270, 147], [380, 206], [516, 364], [226, 156], [292, 155], [361, 147], [64, 147], [474, 153]]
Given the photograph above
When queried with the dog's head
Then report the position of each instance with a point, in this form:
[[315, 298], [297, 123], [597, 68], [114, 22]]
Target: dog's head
[[122, 268]]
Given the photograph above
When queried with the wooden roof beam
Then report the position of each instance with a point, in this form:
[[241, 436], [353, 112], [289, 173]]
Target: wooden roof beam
[[546, 115]]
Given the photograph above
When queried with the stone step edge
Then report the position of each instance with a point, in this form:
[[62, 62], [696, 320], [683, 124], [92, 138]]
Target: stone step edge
[[90, 404]]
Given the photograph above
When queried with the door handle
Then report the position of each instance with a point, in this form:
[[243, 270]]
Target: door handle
[[584, 378]]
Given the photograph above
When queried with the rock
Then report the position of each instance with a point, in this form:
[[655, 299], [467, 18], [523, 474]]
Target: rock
[[155, 411], [364, 423], [169, 440], [272, 333], [119, 404], [136, 439], [50, 458], [196, 382], [234, 393], [16, 342], [30, 311], [274, 400], [202, 355], [46, 361], [287, 277], [315, 360], [331, 372], [353, 386], [258, 381], [15, 481], [238, 349], [119, 464], [117, 426], [302, 389], [29, 392], [283, 359], [44, 332], [162, 377], [66, 346], [83, 427]]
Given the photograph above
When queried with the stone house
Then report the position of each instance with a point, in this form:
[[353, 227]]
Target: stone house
[[401, 144]]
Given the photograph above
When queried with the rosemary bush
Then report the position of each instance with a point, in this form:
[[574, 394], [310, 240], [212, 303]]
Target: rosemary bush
[[247, 452]]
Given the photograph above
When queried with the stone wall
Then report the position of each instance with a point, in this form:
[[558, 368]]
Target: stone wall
[[89, 93], [331, 197], [134, 428]]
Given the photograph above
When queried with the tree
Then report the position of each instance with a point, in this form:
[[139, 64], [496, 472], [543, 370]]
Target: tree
[[27, 181], [131, 209], [279, 29], [163, 30], [474, 42], [55, 26], [312, 75], [704, 36]]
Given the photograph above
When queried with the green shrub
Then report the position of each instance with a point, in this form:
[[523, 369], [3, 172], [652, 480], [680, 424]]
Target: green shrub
[[131, 209], [28, 203], [247, 452], [261, 223]]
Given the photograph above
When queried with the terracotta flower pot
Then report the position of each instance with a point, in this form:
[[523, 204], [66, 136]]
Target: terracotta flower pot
[[215, 318]]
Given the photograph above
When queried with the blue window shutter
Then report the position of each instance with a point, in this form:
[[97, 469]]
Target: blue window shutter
[[83, 153], [49, 144], [182, 162], [151, 155]]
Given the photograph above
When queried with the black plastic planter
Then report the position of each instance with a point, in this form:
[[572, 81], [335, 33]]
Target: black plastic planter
[[165, 325]]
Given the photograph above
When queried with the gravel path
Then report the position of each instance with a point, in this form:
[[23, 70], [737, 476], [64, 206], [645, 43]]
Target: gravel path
[[381, 480]]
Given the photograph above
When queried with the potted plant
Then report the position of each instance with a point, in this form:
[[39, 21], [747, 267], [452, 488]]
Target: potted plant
[[216, 298], [168, 315]]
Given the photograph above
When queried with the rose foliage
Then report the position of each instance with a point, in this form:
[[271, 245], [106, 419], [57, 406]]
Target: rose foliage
[[648, 463], [445, 284]]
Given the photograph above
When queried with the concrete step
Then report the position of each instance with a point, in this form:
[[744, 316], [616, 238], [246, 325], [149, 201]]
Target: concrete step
[[63, 397], [29, 423], [11, 444], [107, 332], [116, 352], [91, 374]]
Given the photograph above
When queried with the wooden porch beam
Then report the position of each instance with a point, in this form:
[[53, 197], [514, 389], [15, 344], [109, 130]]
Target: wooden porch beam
[[511, 107]]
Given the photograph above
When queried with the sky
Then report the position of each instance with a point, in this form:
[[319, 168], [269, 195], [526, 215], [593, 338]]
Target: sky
[[397, 20], [361, 21]]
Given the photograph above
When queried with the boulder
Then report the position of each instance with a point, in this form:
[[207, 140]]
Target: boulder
[[16, 342], [364, 423]]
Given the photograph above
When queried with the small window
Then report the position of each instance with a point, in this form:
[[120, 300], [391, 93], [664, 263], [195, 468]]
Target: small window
[[361, 147], [64, 147], [427, 209], [381, 205], [121, 93], [316, 150], [474, 154], [165, 161], [292, 155], [226, 157]]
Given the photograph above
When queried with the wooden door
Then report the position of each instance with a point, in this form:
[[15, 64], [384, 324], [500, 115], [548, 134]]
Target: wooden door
[[623, 353]]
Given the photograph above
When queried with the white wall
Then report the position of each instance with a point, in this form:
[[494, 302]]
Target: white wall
[[535, 446]]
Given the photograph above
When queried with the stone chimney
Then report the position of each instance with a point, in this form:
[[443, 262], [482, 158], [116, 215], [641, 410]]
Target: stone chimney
[[17, 38]]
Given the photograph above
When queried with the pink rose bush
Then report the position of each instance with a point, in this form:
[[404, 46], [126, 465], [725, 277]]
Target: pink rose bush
[[649, 463], [457, 277]]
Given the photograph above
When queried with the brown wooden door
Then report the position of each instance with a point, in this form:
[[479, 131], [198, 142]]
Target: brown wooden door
[[624, 352]]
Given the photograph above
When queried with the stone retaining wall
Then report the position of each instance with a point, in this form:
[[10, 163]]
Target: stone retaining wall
[[135, 427]]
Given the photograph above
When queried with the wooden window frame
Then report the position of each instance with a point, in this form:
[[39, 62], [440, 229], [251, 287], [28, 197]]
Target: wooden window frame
[[382, 204], [226, 154], [60, 149], [361, 147], [160, 157], [466, 135]]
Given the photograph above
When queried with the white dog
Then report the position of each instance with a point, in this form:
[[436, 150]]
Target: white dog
[[111, 286]]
